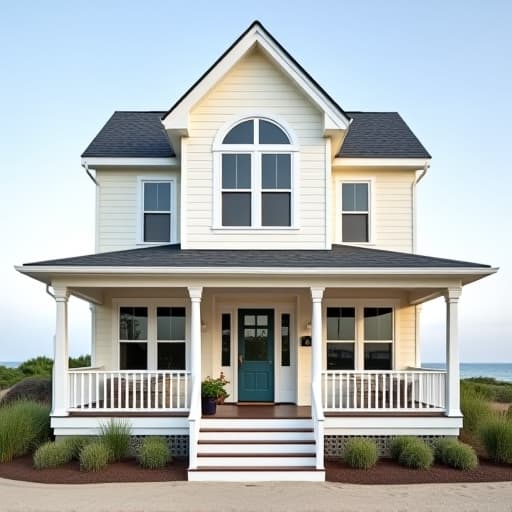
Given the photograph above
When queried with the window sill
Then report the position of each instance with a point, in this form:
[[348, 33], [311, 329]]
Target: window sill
[[357, 244], [155, 243], [247, 229]]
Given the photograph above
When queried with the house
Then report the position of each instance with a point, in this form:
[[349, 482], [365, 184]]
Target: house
[[259, 230]]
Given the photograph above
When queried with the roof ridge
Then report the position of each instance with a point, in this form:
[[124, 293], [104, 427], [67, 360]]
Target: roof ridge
[[373, 112], [140, 111]]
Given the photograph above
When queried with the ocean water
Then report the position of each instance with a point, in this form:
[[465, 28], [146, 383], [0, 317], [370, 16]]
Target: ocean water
[[10, 364], [499, 371]]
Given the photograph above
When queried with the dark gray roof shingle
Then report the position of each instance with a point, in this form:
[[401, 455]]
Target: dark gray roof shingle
[[380, 135], [141, 134], [341, 256], [131, 134]]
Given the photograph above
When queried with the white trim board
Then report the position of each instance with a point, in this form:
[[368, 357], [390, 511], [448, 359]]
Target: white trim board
[[94, 162]]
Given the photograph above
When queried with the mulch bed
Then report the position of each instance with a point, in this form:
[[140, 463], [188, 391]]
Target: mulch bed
[[389, 472], [125, 471]]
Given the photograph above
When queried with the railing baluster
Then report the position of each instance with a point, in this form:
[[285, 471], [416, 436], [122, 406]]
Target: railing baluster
[[178, 392]]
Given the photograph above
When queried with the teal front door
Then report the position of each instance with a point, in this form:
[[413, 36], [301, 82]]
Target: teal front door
[[255, 355]]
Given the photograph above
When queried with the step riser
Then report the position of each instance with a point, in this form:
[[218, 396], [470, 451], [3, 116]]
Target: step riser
[[266, 462], [255, 424], [256, 436], [256, 448], [256, 476]]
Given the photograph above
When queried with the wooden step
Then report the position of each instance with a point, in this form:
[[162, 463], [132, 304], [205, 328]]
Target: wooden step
[[257, 474]]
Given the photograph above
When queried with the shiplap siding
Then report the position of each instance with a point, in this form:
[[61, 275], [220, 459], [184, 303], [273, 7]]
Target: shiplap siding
[[254, 85]]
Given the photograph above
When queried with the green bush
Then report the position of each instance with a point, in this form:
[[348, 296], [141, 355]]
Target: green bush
[[398, 444], [489, 388], [475, 408], [509, 413], [37, 389], [95, 456], [361, 453], [416, 454], [23, 427], [455, 454], [52, 455], [80, 361], [9, 377], [153, 453], [38, 366], [116, 435], [504, 394], [496, 436], [75, 444]]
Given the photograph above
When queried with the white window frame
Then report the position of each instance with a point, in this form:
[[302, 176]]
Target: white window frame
[[141, 181], [256, 151], [370, 212]]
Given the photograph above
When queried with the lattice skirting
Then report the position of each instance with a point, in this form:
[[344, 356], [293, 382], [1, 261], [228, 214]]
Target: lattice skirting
[[334, 446], [178, 445]]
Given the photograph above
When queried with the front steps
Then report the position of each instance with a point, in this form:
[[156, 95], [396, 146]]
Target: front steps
[[257, 450]]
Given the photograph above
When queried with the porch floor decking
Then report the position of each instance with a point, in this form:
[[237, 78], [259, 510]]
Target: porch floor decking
[[261, 411]]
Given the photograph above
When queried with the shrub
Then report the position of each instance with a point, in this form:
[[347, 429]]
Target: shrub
[[503, 394], [37, 389], [416, 454], [455, 454], [38, 366], [23, 427], [398, 444], [153, 453], [9, 377], [509, 413], [116, 435], [52, 455], [475, 409], [361, 453], [95, 456], [75, 444], [80, 361], [496, 436]]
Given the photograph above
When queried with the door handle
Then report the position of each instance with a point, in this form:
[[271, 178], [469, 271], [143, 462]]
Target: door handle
[[240, 359]]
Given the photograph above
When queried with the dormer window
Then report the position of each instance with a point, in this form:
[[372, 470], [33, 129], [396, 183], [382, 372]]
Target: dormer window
[[254, 168]]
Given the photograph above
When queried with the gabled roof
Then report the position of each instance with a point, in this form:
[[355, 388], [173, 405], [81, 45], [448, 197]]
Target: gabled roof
[[136, 134], [340, 256]]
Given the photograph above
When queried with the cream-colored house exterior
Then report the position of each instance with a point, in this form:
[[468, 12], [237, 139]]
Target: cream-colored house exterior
[[258, 230]]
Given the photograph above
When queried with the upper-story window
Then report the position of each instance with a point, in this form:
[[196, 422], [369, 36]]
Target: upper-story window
[[157, 211], [355, 212], [255, 177]]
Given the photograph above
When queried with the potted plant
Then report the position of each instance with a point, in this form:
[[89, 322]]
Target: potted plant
[[223, 394], [211, 391]]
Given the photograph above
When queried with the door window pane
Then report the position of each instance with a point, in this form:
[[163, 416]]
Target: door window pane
[[378, 324], [355, 197], [236, 209], [285, 339], [157, 227], [133, 356], [256, 348], [236, 171], [242, 133], [276, 171], [340, 356], [377, 356], [355, 227], [226, 340], [171, 356], [275, 209], [341, 323], [272, 134], [170, 323], [157, 197], [133, 323]]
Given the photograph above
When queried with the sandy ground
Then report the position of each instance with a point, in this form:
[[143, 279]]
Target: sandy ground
[[183, 496], [3, 392]]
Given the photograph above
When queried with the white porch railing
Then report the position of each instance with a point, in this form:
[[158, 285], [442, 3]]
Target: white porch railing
[[386, 391], [317, 414], [92, 390]]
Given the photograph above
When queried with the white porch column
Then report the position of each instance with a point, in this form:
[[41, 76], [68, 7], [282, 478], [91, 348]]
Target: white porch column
[[60, 354], [452, 352], [316, 338], [195, 332]]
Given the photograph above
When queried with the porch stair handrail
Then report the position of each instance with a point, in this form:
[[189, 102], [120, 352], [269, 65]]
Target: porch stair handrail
[[194, 421], [318, 417]]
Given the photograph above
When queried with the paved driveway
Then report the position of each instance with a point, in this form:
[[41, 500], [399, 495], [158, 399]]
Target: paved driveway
[[325, 497]]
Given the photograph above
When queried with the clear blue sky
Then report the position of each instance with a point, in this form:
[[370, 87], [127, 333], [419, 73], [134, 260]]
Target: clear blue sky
[[445, 66]]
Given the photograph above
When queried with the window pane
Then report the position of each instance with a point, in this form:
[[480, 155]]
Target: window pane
[[157, 196], [378, 323], [340, 356], [133, 323], [275, 209], [171, 356], [236, 209], [133, 356], [354, 197], [377, 356], [272, 134], [355, 227], [276, 171], [228, 171], [361, 197], [341, 323], [242, 133], [170, 323], [157, 227], [285, 339], [236, 171], [226, 340]]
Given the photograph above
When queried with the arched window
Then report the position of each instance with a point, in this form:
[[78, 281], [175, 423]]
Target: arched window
[[255, 167]]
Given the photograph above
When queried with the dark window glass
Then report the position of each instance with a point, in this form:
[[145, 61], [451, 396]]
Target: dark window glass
[[157, 227], [355, 197], [378, 324], [256, 339], [276, 171], [133, 356], [377, 356], [355, 227], [226, 340], [242, 133], [170, 323], [341, 323], [340, 356], [133, 323], [275, 209], [236, 171], [285, 339], [171, 356], [157, 197], [272, 134], [236, 208]]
